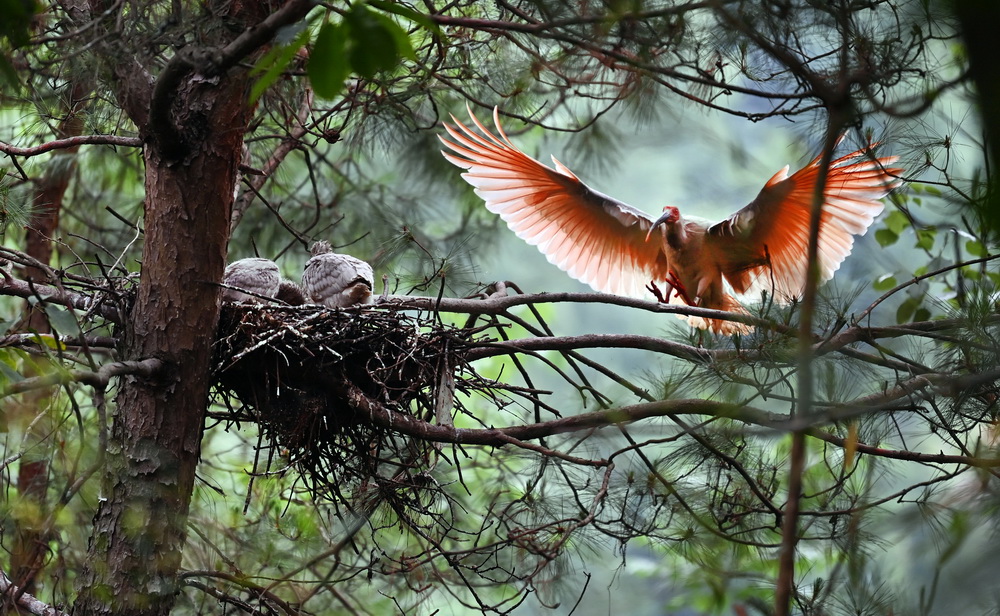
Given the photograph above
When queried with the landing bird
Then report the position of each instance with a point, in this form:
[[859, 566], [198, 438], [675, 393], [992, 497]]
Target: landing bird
[[616, 248], [260, 278], [336, 280]]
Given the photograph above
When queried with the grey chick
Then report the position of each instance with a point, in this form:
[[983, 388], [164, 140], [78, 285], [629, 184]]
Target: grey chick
[[336, 280], [256, 276]]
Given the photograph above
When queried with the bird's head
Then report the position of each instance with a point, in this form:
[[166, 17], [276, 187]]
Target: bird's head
[[670, 215], [320, 247]]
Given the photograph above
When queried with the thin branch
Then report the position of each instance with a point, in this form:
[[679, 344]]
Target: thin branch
[[50, 341], [288, 143], [499, 304], [604, 341], [26, 601], [53, 295], [242, 581], [146, 368], [260, 34], [70, 142]]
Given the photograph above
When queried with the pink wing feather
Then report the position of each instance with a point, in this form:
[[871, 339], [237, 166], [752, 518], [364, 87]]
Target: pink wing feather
[[592, 237]]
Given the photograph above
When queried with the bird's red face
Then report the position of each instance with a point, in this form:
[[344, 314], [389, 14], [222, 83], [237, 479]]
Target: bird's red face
[[670, 215]]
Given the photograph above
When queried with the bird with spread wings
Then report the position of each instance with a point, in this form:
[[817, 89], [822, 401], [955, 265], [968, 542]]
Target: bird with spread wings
[[616, 248]]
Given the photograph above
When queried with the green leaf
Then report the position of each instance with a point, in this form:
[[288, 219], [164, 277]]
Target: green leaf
[[896, 222], [371, 47], [925, 238], [971, 273], [406, 12], [933, 190], [274, 62], [922, 314], [976, 248], [328, 67], [884, 282], [399, 35], [906, 310], [8, 361], [8, 72], [62, 320], [886, 237]]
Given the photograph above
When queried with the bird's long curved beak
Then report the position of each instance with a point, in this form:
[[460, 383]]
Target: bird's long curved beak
[[670, 216]]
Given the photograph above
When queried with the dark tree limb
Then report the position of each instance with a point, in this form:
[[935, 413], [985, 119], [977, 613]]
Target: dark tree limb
[[210, 62], [54, 295], [147, 368]]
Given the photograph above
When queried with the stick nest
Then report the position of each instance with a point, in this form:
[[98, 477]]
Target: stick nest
[[295, 370]]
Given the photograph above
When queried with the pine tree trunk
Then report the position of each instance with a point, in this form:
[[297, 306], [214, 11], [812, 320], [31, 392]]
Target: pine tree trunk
[[139, 529]]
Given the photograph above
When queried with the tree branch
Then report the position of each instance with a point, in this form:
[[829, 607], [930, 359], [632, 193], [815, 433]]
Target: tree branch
[[48, 340], [70, 142], [26, 601], [604, 341], [288, 143], [146, 368], [498, 305], [54, 295], [210, 62]]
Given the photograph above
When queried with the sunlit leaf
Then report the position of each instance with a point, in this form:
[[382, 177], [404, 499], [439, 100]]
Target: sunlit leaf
[[850, 445], [885, 237], [896, 222], [925, 238], [976, 248], [884, 282]]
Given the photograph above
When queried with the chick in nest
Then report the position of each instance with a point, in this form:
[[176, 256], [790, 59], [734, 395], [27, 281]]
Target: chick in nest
[[336, 280], [256, 280]]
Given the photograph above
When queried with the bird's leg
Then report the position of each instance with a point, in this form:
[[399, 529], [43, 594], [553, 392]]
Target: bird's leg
[[385, 288], [676, 285]]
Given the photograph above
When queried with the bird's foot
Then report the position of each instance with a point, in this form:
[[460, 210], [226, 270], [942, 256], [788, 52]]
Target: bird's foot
[[655, 290], [678, 288]]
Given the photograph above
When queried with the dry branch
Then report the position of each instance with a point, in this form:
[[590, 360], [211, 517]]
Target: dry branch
[[70, 142], [147, 368], [24, 600]]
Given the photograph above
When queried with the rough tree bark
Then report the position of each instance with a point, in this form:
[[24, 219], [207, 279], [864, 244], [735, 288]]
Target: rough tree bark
[[191, 154], [139, 529]]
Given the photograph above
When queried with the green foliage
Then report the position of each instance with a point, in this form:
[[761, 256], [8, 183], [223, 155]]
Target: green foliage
[[13, 212], [366, 41], [15, 31]]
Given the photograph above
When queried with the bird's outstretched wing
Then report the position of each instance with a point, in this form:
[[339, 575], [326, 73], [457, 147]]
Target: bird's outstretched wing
[[765, 244], [592, 237]]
